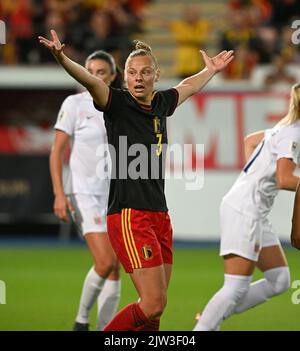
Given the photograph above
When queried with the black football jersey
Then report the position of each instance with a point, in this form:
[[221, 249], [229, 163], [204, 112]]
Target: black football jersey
[[137, 135]]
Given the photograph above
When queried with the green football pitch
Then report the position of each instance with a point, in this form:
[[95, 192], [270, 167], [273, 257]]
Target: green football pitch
[[43, 287]]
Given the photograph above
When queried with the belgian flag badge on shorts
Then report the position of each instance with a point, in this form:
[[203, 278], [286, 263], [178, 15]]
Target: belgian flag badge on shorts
[[147, 252]]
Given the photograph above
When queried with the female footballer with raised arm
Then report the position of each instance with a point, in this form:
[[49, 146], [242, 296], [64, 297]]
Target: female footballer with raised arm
[[139, 226]]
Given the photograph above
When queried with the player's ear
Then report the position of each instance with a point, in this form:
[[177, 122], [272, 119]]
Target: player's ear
[[125, 79], [113, 77], [157, 75]]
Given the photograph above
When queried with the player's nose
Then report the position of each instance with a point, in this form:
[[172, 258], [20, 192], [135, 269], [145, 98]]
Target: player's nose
[[138, 77]]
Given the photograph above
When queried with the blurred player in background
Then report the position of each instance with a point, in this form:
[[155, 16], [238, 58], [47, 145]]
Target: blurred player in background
[[247, 238], [139, 226], [86, 192]]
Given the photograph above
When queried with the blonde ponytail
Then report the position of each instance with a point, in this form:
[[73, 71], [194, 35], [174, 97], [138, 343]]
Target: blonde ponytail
[[293, 114]]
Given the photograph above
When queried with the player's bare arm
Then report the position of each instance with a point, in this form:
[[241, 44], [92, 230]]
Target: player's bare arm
[[251, 141], [295, 234], [98, 89], [193, 84], [286, 180], [61, 203]]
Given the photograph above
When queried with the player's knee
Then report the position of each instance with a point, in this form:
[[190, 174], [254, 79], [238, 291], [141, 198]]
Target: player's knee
[[236, 294], [104, 268], [282, 281], [155, 306], [235, 288], [115, 273], [158, 309]]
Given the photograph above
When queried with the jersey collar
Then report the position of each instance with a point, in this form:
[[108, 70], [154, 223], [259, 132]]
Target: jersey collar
[[145, 106]]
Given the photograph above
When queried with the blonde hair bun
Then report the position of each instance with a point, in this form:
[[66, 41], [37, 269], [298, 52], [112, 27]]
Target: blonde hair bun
[[139, 45]]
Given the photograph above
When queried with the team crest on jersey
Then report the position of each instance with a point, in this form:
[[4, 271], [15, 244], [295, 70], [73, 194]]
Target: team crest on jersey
[[156, 122], [294, 146], [147, 252], [97, 220]]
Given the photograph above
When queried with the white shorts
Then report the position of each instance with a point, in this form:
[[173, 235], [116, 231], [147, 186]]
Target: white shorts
[[89, 213], [242, 235]]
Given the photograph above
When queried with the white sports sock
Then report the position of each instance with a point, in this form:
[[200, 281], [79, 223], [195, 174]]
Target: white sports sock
[[92, 286], [223, 302], [277, 280], [108, 301]]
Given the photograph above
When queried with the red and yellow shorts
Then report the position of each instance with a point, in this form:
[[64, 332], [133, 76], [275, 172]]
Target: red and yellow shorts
[[141, 239]]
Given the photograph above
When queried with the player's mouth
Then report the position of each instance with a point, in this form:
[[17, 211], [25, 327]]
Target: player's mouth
[[139, 88]]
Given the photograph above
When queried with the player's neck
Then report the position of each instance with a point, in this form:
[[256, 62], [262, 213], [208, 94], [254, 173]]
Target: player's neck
[[145, 100]]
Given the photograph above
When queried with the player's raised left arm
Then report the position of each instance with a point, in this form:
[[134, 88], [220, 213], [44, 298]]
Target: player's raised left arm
[[193, 84]]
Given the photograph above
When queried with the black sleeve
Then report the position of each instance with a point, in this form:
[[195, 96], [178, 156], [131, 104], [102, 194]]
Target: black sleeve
[[169, 100], [114, 103]]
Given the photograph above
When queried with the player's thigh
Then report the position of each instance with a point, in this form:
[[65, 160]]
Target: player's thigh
[[238, 265], [271, 254], [271, 257], [100, 248], [150, 283], [168, 272]]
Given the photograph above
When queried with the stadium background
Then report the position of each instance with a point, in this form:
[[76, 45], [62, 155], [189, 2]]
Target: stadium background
[[42, 262]]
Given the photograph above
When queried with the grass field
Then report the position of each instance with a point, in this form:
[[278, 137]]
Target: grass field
[[43, 287]]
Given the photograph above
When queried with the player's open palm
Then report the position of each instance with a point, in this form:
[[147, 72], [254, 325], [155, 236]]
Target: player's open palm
[[219, 62], [53, 45]]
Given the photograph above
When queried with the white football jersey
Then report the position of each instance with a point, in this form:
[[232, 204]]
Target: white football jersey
[[254, 191], [89, 159]]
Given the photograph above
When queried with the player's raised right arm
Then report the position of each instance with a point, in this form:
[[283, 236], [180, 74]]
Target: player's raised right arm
[[98, 89]]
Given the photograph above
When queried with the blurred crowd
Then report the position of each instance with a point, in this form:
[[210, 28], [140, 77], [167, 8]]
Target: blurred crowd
[[259, 31], [85, 25]]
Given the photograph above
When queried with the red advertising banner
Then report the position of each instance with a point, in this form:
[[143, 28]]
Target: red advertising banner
[[221, 120]]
